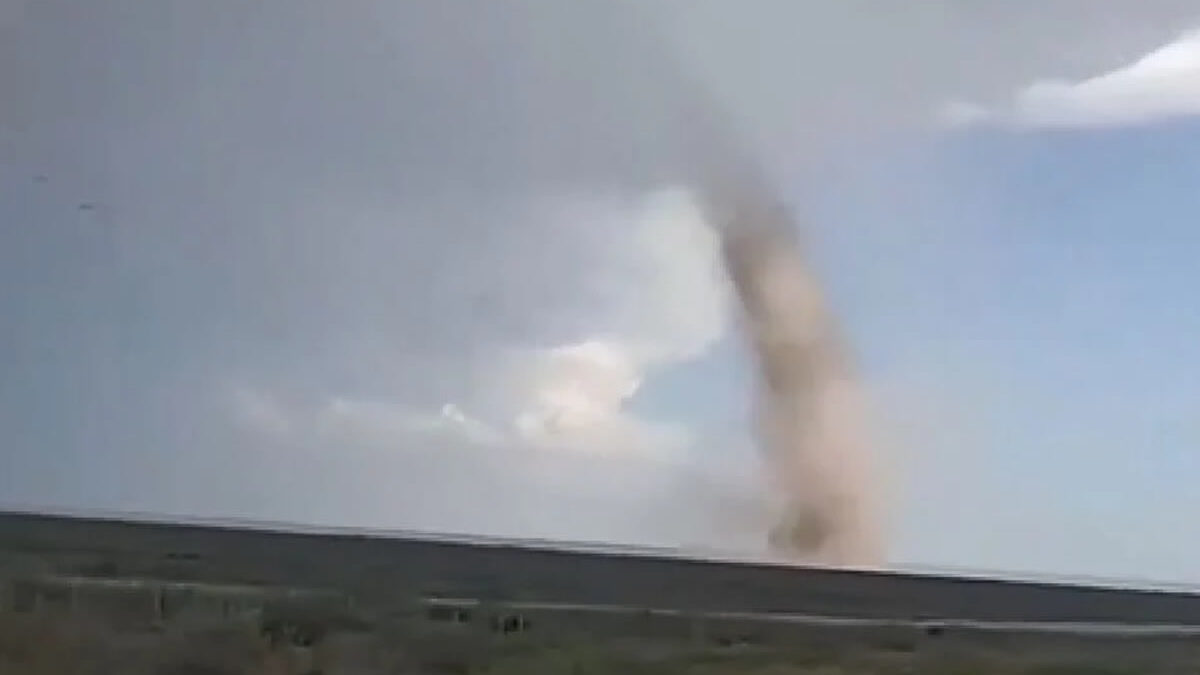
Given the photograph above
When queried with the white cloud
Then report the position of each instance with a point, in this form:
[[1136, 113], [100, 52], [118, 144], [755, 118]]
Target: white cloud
[[344, 419], [1161, 85], [604, 290], [646, 268], [576, 389]]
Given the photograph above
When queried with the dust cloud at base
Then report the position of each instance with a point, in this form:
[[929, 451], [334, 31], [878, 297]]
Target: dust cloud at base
[[810, 418], [810, 415]]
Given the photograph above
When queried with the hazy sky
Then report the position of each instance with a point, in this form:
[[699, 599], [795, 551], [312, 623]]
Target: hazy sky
[[436, 265]]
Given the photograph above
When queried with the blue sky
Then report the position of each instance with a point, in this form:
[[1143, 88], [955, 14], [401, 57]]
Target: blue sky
[[1053, 311], [398, 267], [1033, 293]]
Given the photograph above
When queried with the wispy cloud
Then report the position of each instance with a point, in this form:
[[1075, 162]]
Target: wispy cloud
[[1161, 85], [610, 479]]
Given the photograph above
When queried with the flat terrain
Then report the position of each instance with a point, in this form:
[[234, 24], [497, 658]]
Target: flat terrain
[[93, 596], [370, 565], [35, 646]]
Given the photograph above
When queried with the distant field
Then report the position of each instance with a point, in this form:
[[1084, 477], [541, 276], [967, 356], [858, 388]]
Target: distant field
[[371, 564]]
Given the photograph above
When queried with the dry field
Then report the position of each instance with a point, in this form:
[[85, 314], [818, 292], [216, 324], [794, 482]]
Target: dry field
[[32, 645]]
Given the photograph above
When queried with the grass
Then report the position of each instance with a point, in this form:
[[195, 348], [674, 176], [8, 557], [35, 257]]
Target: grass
[[591, 660], [32, 645]]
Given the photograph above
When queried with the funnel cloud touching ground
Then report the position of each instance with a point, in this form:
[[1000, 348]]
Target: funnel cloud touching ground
[[809, 417]]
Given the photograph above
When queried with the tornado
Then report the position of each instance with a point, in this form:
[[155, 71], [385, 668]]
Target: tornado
[[810, 418], [810, 425]]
